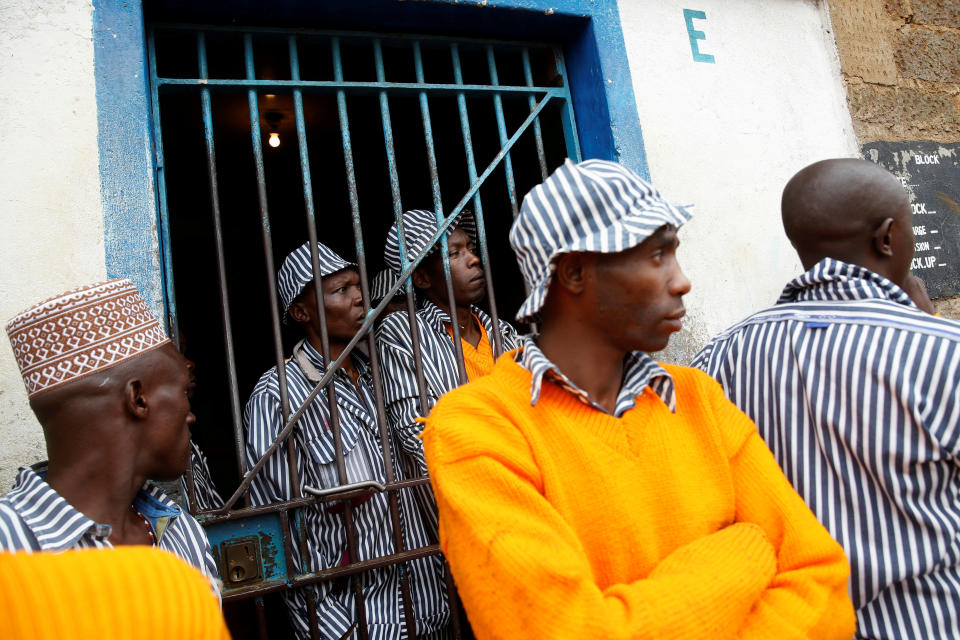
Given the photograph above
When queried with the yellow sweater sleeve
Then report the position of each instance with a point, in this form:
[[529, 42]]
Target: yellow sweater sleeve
[[506, 543], [807, 597]]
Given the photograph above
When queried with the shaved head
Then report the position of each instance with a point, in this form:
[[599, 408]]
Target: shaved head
[[850, 210]]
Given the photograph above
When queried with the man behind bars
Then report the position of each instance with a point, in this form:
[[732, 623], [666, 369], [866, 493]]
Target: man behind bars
[[434, 325], [586, 491], [326, 526], [854, 389], [111, 393]]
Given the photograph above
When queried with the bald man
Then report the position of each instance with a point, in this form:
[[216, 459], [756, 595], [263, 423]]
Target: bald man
[[853, 388]]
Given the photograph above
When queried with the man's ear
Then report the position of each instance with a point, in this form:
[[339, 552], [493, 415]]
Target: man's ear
[[883, 237], [298, 311], [421, 279], [135, 400], [570, 272]]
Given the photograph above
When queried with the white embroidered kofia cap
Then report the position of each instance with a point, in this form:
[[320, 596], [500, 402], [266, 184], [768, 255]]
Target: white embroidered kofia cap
[[81, 332], [596, 206]]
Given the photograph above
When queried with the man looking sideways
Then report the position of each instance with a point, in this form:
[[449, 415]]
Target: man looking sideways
[[434, 318], [110, 391], [336, 608], [587, 491]]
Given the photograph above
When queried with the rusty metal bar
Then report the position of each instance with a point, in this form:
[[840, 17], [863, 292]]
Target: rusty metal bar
[[477, 205], [355, 87], [502, 130], [166, 252], [532, 101], [569, 122], [368, 322], [252, 99], [261, 619], [341, 571], [235, 411], [344, 35], [438, 210], [401, 237], [374, 361]]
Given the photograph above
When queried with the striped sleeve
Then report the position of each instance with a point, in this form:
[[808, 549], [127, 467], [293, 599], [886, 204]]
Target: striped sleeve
[[401, 395], [263, 419]]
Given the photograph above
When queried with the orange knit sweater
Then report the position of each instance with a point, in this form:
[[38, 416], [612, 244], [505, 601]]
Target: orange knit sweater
[[477, 360], [561, 521], [124, 593]]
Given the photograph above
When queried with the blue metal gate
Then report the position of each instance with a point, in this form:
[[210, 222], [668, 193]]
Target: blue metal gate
[[254, 544]]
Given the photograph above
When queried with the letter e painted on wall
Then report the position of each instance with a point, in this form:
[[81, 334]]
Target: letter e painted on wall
[[689, 15]]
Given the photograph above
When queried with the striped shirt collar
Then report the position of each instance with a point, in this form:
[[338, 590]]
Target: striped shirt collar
[[834, 280], [58, 525], [639, 371], [360, 360], [437, 318]]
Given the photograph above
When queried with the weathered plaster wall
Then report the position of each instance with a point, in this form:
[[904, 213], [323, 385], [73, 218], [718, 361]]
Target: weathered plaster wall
[[727, 136], [52, 223], [901, 66]]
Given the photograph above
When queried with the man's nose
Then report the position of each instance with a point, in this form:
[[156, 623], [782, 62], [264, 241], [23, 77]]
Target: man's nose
[[474, 259], [679, 283]]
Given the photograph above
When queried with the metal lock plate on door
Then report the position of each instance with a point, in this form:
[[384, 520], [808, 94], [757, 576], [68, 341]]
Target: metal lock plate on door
[[241, 558]]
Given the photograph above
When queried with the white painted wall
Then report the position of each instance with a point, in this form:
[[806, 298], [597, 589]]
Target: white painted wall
[[50, 211], [727, 136]]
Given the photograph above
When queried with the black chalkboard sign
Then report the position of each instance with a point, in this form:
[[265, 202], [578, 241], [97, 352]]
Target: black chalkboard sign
[[930, 171]]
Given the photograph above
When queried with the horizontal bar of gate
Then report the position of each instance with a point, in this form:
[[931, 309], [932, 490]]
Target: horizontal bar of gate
[[360, 86], [264, 529], [442, 227], [347, 35]]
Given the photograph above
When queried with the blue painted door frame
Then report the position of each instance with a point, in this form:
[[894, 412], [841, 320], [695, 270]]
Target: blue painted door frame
[[590, 31]]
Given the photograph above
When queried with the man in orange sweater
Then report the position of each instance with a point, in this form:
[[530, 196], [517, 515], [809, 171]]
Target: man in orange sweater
[[587, 491]]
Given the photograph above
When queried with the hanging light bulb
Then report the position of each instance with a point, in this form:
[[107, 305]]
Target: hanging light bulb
[[274, 140]]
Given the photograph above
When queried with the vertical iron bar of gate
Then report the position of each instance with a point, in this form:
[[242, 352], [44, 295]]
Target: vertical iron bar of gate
[[306, 179], [569, 123], [438, 211], [477, 206], [166, 253], [374, 357], [207, 110], [502, 130], [272, 288], [411, 301], [401, 234], [537, 133]]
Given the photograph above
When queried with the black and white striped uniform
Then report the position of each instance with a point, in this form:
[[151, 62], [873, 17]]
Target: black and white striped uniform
[[34, 517], [854, 390], [324, 523]]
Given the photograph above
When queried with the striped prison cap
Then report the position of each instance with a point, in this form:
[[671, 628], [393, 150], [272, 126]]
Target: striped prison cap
[[596, 206], [81, 332], [381, 285], [419, 226], [296, 272]]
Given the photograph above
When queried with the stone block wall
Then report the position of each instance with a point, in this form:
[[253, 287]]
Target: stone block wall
[[900, 61]]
